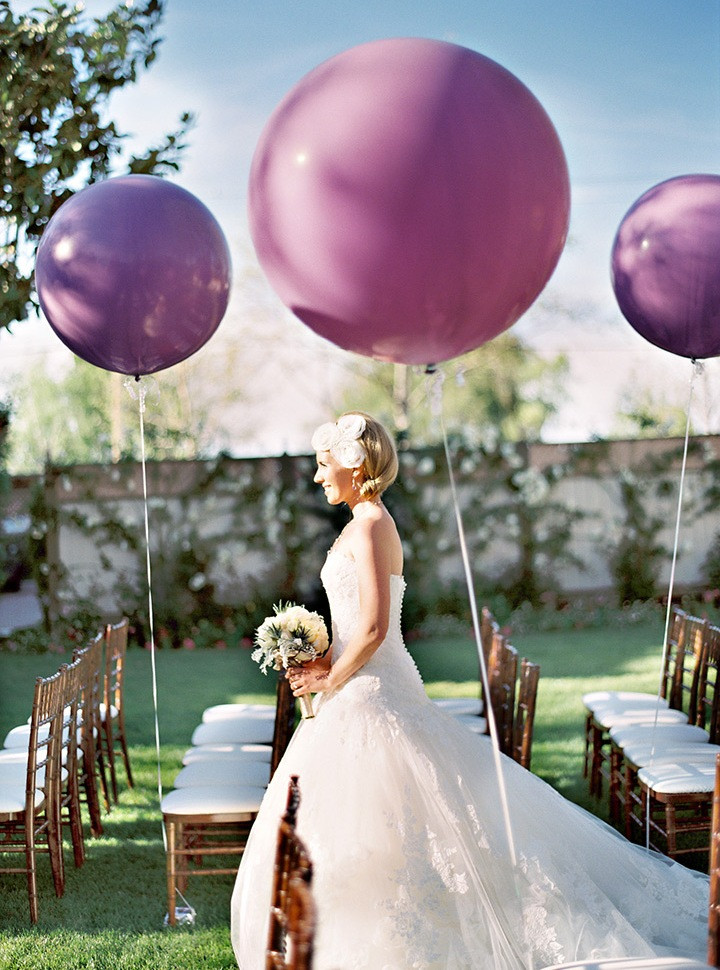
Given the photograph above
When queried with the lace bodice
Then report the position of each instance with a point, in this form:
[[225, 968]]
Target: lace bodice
[[391, 662]]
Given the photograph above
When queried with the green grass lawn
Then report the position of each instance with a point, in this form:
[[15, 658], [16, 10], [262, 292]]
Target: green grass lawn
[[111, 916]]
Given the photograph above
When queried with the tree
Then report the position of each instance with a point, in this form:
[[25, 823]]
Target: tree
[[87, 416], [503, 391], [57, 73], [644, 414]]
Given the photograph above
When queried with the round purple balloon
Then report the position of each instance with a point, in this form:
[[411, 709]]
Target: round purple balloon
[[409, 199], [666, 265], [133, 274]]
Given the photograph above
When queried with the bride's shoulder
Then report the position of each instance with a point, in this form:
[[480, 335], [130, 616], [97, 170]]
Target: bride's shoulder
[[376, 525]]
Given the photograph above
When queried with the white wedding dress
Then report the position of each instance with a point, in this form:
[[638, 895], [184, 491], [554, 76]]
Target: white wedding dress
[[401, 815]]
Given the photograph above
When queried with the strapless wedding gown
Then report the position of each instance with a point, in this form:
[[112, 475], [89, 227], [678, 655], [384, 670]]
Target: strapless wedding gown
[[401, 815]]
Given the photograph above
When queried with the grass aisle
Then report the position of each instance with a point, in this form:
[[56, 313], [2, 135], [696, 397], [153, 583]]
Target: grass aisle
[[111, 916]]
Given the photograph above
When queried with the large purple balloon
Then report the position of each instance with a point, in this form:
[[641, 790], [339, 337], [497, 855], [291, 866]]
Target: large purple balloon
[[666, 265], [133, 274], [409, 199]]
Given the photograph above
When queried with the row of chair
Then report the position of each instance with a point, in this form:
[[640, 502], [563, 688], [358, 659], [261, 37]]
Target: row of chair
[[59, 757], [513, 684], [217, 793], [657, 752]]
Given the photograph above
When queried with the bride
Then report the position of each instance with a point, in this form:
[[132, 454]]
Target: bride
[[400, 807]]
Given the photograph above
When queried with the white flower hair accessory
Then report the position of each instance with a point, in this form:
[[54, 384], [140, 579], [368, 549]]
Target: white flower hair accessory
[[342, 440]]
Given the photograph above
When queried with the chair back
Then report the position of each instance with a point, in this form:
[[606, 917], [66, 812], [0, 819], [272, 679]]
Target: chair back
[[688, 666], [90, 659], [45, 743], [502, 677], [71, 715], [301, 923], [708, 706], [525, 712], [292, 918], [673, 645], [116, 638], [284, 720], [488, 629]]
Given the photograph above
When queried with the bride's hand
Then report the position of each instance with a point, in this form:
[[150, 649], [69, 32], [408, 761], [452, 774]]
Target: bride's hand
[[310, 678]]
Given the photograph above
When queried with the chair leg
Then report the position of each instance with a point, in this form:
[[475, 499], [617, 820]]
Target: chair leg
[[588, 735], [89, 780], [76, 826], [671, 830], [630, 780], [30, 862], [55, 844], [125, 752], [596, 764], [110, 751], [171, 870], [615, 787]]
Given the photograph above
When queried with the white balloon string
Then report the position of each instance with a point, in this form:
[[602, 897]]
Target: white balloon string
[[697, 369], [436, 404], [138, 389]]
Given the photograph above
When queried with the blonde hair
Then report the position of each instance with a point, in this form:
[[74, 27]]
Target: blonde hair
[[380, 467]]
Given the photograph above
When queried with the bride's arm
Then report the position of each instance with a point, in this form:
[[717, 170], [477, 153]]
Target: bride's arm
[[370, 549]]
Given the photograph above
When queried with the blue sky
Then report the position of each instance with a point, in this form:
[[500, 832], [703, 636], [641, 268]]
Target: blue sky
[[632, 86]]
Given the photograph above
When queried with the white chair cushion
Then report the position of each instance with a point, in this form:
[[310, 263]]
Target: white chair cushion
[[642, 753], [670, 778], [611, 717], [637, 963], [221, 711], [676, 733], [15, 773], [619, 698], [221, 773], [19, 737], [235, 730], [10, 756], [206, 800], [473, 722], [459, 705], [226, 752], [12, 798]]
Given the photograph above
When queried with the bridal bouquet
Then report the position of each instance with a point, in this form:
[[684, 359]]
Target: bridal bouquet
[[291, 637]]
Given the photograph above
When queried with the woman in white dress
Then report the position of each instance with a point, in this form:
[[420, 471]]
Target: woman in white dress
[[399, 803]]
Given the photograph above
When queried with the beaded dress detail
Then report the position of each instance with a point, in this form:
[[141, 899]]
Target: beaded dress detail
[[401, 815]]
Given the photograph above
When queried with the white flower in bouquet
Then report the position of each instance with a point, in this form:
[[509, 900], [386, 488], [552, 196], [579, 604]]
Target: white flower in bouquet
[[291, 637]]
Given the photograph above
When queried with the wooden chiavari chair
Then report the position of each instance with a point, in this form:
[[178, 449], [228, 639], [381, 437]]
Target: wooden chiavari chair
[[474, 706], [112, 711], [525, 712], [503, 667], [91, 759], [215, 820], [626, 723], [30, 810], [292, 913], [599, 703], [654, 747], [68, 784]]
